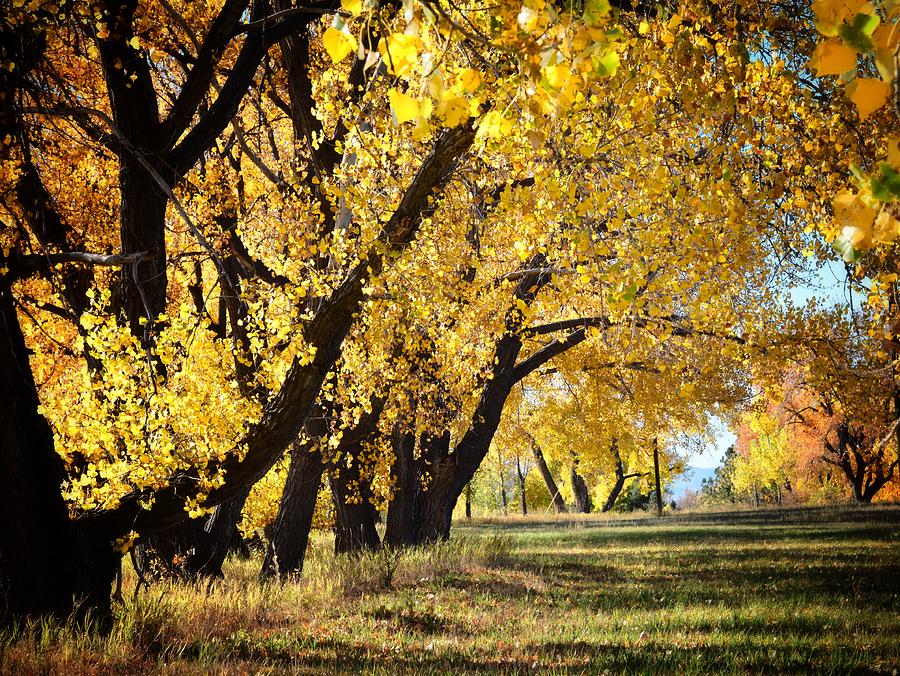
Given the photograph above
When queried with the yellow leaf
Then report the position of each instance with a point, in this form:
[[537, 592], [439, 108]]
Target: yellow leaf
[[829, 13], [643, 28], [470, 79], [887, 228], [893, 151], [833, 57], [869, 94], [536, 139], [453, 110], [405, 107], [557, 77], [854, 218], [884, 61], [338, 44], [352, 6], [400, 52], [495, 125], [886, 35]]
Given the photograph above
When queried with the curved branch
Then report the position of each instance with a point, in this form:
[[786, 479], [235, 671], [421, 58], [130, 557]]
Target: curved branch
[[21, 265]]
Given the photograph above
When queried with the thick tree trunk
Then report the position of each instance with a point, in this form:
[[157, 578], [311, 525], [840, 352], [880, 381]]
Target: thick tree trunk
[[403, 508], [582, 497], [197, 548], [290, 534], [433, 523], [355, 516], [48, 565], [555, 496], [416, 480]]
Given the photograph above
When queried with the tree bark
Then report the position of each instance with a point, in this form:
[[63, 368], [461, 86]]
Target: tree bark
[[354, 528], [501, 480], [290, 535], [521, 486], [48, 564], [582, 497], [555, 496], [197, 548], [416, 479], [403, 507], [659, 501]]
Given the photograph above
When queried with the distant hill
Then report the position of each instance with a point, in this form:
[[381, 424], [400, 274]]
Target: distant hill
[[691, 480]]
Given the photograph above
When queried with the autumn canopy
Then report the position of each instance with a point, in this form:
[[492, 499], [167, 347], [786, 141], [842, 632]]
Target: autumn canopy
[[260, 258]]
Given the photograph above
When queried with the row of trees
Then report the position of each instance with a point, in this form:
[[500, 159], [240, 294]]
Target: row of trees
[[253, 246], [827, 431]]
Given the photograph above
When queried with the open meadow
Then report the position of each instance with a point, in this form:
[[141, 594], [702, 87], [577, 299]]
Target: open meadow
[[777, 591]]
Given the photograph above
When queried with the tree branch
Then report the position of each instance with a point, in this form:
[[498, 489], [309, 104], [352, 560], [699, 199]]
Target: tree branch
[[198, 81], [284, 414], [548, 352], [21, 265]]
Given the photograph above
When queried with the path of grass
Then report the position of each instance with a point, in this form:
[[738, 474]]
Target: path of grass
[[708, 596]]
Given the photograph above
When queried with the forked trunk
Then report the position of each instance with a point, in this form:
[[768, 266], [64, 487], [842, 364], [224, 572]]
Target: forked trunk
[[417, 492], [582, 496], [194, 549], [614, 493]]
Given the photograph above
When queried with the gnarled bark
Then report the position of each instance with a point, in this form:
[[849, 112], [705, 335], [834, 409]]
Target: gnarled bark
[[48, 563], [290, 534], [581, 494]]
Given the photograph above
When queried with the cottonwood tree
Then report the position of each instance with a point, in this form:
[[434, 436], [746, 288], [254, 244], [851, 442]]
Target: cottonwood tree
[[170, 387], [180, 316]]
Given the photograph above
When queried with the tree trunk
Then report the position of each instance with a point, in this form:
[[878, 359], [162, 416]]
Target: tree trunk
[[218, 533], [354, 528], [614, 493], [469, 501], [402, 510], [521, 486], [555, 496], [659, 500], [196, 548], [582, 496], [503, 501], [290, 535], [411, 498], [433, 523], [355, 514], [48, 564]]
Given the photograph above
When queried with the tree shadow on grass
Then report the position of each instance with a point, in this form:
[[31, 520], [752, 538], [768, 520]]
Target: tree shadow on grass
[[756, 654]]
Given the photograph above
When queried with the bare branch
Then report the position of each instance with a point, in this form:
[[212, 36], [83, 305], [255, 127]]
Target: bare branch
[[21, 265]]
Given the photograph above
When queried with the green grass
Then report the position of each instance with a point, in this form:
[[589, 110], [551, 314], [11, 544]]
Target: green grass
[[784, 592]]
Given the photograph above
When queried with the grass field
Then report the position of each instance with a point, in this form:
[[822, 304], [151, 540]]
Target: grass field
[[784, 592]]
